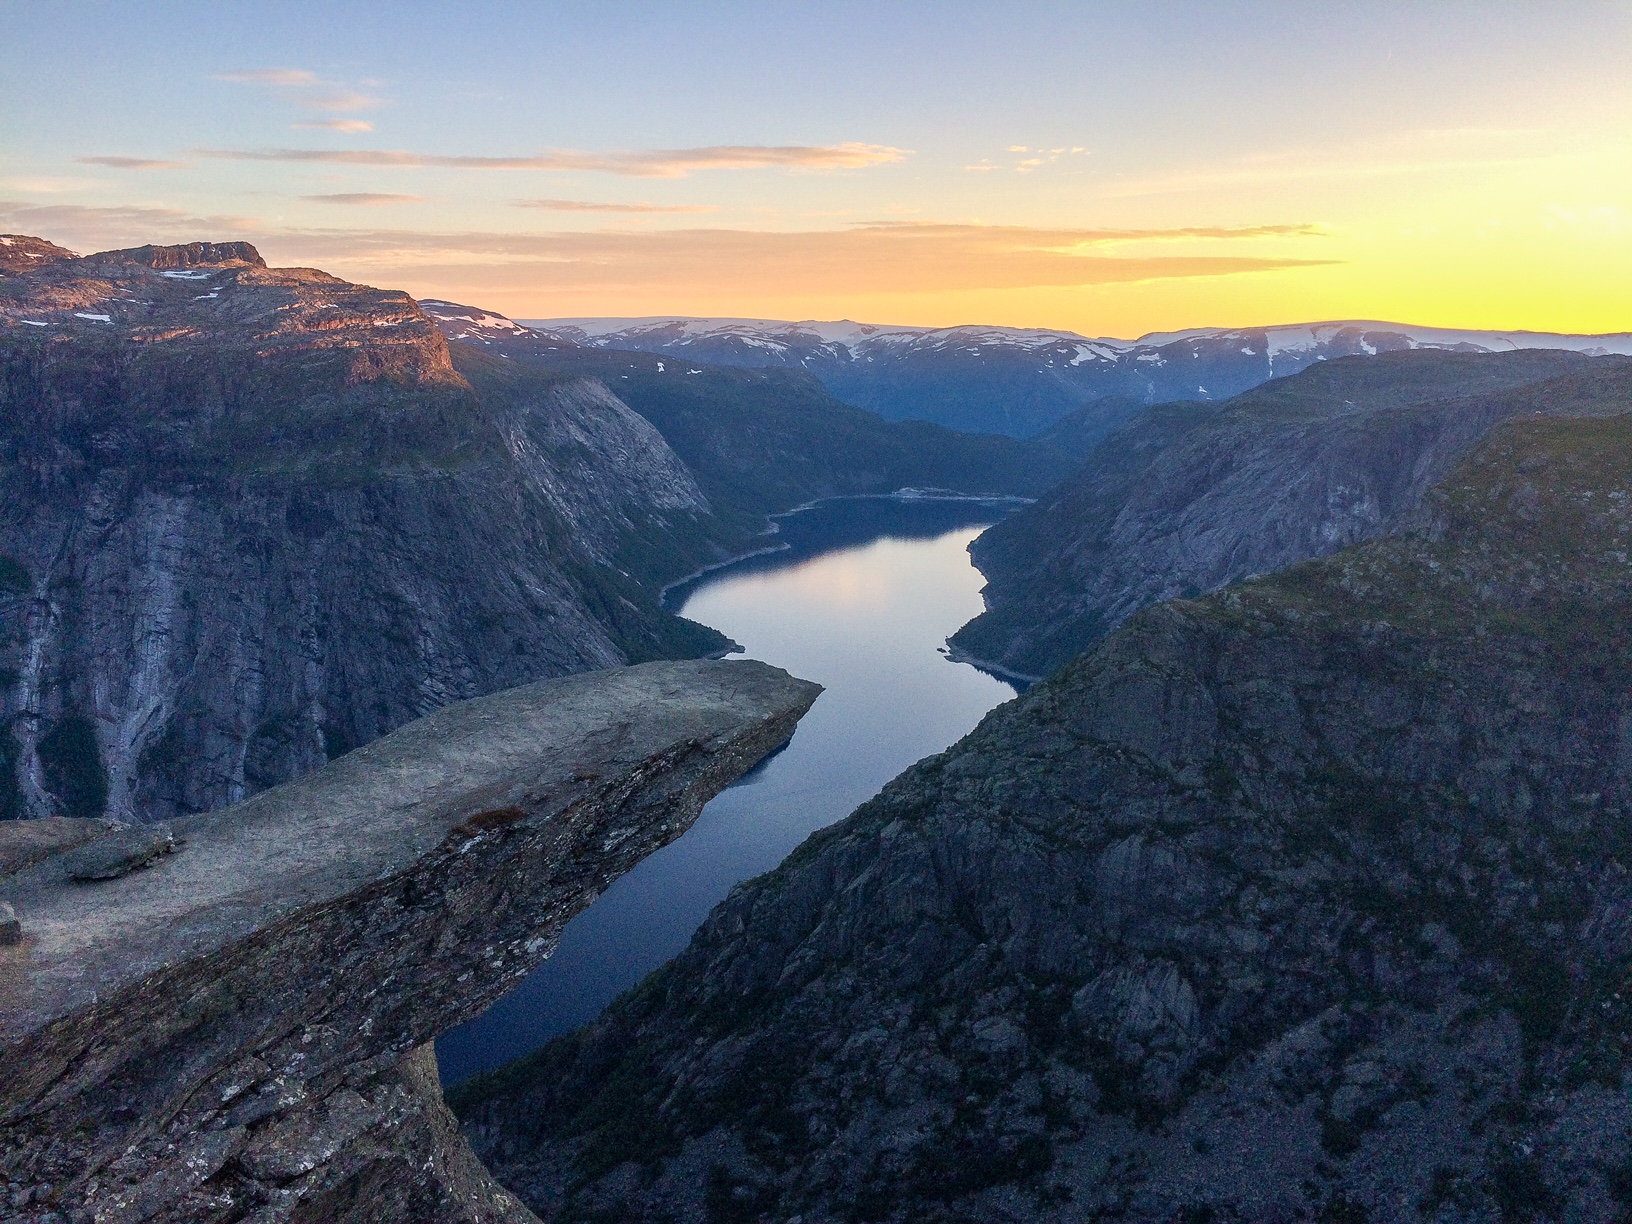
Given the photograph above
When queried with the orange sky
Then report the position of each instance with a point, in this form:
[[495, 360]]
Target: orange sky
[[1111, 169]]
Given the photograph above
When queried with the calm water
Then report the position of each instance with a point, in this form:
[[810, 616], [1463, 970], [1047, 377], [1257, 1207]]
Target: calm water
[[862, 601]]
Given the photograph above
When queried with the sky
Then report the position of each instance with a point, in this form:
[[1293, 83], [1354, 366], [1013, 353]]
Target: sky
[[1110, 169]]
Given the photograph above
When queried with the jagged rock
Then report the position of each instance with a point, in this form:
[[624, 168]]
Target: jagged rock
[[240, 1030], [11, 931], [1307, 900]]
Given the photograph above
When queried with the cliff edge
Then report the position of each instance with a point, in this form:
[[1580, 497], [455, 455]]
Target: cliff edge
[[227, 1017]]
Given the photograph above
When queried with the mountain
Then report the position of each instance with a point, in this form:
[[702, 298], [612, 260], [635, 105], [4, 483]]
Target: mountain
[[1019, 382], [251, 518], [1189, 497], [1305, 900], [766, 439]]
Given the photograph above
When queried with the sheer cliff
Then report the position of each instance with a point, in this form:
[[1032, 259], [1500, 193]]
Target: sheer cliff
[[1308, 899], [251, 518], [1190, 497], [227, 1017]]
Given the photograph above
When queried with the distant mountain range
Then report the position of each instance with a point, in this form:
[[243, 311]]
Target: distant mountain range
[[1017, 381]]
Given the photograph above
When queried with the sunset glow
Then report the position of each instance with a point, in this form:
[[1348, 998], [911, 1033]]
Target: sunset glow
[[1111, 169]]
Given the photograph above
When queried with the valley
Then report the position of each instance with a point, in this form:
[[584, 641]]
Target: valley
[[1292, 886], [861, 601]]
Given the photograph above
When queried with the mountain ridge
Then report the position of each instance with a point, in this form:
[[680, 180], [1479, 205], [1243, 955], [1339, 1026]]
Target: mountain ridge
[[1189, 497], [1021, 381]]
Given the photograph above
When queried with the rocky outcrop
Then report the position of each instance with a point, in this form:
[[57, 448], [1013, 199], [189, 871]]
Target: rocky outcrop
[[1309, 899], [251, 518], [21, 254], [1190, 497], [237, 1029]]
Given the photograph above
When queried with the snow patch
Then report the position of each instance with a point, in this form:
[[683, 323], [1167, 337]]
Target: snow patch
[[95, 318]]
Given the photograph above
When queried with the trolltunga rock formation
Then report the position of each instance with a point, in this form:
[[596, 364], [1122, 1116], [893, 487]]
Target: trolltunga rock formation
[[237, 1028]]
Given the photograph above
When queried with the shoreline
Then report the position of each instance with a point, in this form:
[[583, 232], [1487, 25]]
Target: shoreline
[[1022, 679], [901, 495]]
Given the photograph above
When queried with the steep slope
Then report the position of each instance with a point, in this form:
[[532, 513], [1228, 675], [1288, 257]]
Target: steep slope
[[251, 518], [240, 1029], [765, 440], [1017, 381], [1306, 900], [1189, 497]]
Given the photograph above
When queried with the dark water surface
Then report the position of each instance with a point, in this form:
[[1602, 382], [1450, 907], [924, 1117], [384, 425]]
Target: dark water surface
[[861, 601]]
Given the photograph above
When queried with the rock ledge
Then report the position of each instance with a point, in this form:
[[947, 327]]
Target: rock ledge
[[236, 1030]]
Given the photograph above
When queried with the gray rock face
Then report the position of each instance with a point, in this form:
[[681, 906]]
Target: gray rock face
[[1306, 900], [231, 1033], [120, 853], [1191, 497], [251, 518]]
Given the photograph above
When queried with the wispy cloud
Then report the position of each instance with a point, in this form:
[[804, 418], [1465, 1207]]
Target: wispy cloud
[[707, 264], [364, 198], [99, 229], [592, 206], [637, 163], [270, 76], [306, 89], [131, 163], [716, 263], [338, 125]]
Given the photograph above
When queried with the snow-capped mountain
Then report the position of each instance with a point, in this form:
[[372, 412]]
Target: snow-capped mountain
[[1006, 380]]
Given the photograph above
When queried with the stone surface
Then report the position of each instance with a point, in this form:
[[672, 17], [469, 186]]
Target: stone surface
[[119, 853], [1191, 497], [1307, 900], [230, 1033]]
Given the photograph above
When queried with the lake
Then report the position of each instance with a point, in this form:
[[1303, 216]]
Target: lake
[[862, 601]]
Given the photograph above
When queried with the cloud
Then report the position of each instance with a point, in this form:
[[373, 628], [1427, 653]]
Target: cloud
[[270, 76], [590, 206], [100, 229], [302, 88], [639, 163], [131, 163], [338, 125], [717, 263], [364, 197]]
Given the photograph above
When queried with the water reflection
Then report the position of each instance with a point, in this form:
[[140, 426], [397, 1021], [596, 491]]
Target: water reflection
[[868, 621]]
